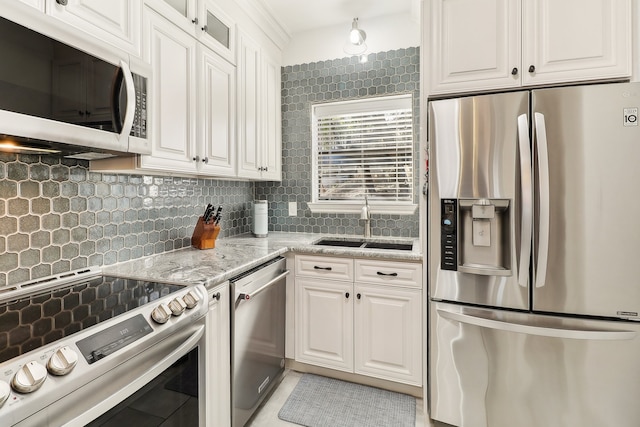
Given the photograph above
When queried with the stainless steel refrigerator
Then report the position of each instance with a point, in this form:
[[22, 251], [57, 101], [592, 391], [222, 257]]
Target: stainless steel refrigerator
[[534, 258]]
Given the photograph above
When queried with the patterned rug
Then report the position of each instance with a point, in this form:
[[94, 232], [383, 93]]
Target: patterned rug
[[319, 401]]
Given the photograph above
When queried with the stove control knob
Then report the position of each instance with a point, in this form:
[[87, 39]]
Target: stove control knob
[[177, 306], [5, 392], [62, 361], [191, 299], [161, 313], [29, 377]]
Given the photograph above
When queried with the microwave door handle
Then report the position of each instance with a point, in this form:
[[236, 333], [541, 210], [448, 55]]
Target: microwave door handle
[[524, 145], [543, 180], [127, 123]]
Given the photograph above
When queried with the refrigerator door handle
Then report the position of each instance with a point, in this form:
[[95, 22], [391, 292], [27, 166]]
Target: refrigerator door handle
[[552, 332], [524, 145], [543, 182]]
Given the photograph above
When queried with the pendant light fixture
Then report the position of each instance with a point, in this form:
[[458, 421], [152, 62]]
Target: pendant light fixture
[[355, 45]]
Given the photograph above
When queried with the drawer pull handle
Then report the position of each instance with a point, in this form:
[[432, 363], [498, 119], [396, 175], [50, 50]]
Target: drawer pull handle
[[380, 273], [322, 268]]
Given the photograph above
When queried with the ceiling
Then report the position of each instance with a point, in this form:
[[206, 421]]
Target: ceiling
[[303, 15]]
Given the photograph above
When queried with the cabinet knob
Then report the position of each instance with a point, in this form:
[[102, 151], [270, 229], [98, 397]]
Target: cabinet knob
[[205, 28], [196, 159], [266, 169], [532, 68], [62, 2], [514, 71], [80, 113], [358, 296], [216, 296], [195, 20], [205, 160], [346, 295]]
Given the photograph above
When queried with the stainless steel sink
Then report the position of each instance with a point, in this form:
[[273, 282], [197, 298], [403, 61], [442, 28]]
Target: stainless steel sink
[[365, 244]]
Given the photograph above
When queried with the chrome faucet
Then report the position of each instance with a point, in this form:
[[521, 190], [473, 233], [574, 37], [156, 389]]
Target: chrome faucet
[[366, 215]]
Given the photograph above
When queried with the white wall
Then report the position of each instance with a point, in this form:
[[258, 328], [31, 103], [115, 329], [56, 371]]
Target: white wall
[[387, 33], [636, 41]]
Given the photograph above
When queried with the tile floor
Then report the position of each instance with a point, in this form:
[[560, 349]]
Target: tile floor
[[267, 415]]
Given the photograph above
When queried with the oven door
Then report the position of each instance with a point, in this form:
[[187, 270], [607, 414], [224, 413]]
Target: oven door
[[161, 385]]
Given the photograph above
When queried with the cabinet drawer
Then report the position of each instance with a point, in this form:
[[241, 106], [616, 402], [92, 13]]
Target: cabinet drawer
[[325, 267], [388, 272]]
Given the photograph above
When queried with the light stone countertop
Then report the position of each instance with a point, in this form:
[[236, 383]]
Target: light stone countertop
[[235, 255]]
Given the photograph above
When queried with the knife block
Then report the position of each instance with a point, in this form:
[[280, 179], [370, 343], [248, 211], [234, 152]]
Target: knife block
[[205, 235]]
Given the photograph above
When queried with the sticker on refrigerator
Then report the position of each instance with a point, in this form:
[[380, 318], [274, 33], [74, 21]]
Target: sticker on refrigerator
[[631, 117]]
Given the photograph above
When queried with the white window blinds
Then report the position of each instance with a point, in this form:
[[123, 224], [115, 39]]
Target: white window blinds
[[364, 147]]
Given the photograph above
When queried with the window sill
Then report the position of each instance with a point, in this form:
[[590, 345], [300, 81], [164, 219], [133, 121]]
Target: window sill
[[356, 208]]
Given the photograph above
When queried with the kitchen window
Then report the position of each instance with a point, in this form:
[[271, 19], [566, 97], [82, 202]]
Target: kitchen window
[[363, 147]]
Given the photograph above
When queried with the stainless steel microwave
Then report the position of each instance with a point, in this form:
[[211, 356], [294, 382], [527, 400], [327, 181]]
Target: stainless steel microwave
[[57, 98]]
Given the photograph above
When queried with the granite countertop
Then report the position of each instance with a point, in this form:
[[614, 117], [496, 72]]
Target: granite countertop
[[234, 255]]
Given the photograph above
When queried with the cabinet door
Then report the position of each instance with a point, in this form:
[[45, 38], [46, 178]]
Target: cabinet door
[[172, 55], [38, 4], [475, 44], [324, 323], [218, 358], [217, 30], [271, 147], [216, 114], [388, 333], [249, 162], [573, 40], [183, 13], [115, 21]]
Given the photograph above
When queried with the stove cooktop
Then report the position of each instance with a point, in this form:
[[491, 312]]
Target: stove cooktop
[[37, 317]]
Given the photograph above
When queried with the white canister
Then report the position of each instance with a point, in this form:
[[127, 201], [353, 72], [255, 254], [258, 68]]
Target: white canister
[[260, 222]]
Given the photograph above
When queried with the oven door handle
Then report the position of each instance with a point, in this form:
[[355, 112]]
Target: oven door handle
[[241, 296], [139, 381]]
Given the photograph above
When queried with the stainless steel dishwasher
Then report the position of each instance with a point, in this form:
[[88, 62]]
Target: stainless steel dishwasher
[[257, 336]]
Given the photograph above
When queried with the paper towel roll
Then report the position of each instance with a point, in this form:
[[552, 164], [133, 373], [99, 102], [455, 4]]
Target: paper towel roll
[[260, 221]]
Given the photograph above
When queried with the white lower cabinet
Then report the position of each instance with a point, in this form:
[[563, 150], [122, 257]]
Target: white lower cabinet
[[324, 323], [218, 379], [368, 327], [388, 333]]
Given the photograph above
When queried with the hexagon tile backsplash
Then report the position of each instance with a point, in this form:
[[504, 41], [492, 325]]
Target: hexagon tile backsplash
[[56, 215]]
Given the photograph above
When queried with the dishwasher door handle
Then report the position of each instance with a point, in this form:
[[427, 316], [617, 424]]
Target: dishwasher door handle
[[246, 296]]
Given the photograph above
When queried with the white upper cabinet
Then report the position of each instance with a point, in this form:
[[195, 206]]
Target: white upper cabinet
[[475, 44], [116, 22], [216, 114], [575, 40], [499, 44], [203, 20], [259, 112], [172, 54]]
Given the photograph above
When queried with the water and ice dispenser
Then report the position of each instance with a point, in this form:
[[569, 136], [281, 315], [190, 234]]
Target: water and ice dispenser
[[475, 236]]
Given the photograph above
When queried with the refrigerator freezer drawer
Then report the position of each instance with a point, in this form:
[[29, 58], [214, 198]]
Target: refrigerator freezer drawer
[[490, 368]]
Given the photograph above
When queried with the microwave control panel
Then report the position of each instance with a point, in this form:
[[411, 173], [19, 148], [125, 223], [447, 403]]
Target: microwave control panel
[[449, 234]]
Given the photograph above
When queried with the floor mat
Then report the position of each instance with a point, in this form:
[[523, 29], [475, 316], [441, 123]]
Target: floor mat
[[319, 401]]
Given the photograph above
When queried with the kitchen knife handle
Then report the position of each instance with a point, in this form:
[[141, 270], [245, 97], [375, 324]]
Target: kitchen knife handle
[[524, 145], [543, 195]]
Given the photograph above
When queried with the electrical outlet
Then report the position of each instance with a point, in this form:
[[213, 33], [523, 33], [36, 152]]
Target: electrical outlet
[[293, 208]]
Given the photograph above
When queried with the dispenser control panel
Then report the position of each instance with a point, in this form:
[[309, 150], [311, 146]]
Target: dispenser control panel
[[449, 234]]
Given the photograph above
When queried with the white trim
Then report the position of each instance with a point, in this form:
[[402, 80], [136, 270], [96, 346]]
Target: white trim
[[351, 207]]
